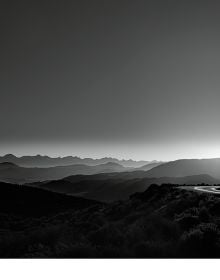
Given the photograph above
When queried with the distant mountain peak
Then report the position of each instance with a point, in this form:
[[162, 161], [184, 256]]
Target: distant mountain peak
[[10, 156], [46, 161]]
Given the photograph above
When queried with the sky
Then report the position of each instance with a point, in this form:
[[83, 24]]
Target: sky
[[130, 79]]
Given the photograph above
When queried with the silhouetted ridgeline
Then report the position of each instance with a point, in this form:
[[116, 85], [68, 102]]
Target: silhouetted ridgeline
[[45, 161], [164, 221], [12, 173], [181, 168]]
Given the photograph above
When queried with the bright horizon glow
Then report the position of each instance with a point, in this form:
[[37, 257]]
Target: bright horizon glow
[[111, 79], [167, 152]]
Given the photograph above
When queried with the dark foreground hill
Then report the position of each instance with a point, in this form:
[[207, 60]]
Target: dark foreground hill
[[164, 221], [23, 200], [113, 187]]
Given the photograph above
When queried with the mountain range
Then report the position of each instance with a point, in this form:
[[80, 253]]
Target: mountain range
[[111, 181], [113, 188], [12, 173], [45, 161]]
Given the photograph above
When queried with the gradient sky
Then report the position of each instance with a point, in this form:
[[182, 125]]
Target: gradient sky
[[131, 79]]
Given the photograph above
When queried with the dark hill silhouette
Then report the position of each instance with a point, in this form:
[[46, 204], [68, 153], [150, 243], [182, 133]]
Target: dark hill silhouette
[[107, 188], [23, 200], [164, 221], [187, 167]]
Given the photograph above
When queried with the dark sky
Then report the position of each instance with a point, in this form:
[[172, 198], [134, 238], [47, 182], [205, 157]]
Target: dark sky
[[132, 79]]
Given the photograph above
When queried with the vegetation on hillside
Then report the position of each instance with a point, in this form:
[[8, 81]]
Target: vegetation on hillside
[[162, 222]]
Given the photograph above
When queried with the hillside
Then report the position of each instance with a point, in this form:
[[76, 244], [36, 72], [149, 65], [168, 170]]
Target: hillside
[[23, 200], [12, 173], [149, 166], [187, 167], [162, 222], [107, 188]]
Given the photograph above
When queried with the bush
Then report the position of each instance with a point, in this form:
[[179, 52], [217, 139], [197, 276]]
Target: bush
[[81, 250], [202, 241], [204, 215], [154, 249], [186, 221], [156, 227], [48, 235], [109, 234]]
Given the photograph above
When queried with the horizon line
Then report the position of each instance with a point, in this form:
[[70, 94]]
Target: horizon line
[[99, 158]]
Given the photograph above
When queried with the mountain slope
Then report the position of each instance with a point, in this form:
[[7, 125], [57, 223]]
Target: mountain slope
[[23, 200], [115, 188], [12, 173], [163, 222], [149, 166], [187, 167]]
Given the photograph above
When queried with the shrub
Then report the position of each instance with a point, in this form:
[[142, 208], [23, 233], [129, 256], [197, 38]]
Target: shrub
[[108, 234], [202, 241], [159, 228], [204, 215], [79, 250], [186, 221], [154, 249]]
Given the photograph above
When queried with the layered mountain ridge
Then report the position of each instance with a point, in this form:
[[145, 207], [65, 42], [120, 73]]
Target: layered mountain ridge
[[46, 161]]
